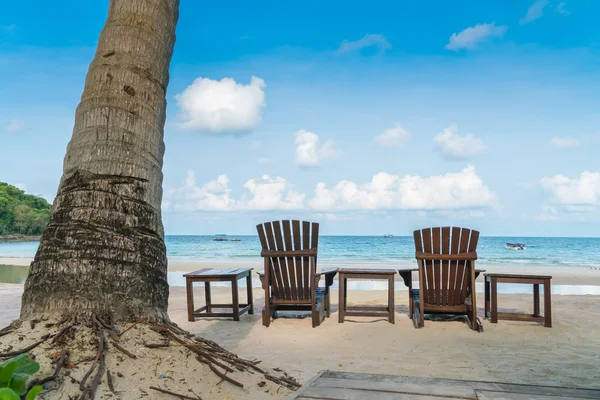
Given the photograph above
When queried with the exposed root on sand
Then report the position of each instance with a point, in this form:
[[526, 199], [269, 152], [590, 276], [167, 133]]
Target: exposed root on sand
[[90, 359]]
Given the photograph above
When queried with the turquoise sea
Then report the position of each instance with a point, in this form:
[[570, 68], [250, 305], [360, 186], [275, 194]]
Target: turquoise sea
[[399, 250]]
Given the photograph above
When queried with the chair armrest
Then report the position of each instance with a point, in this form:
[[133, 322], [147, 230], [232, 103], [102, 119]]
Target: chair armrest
[[329, 275], [406, 275], [327, 271]]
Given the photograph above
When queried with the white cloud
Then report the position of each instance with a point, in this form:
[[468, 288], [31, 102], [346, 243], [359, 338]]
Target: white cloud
[[560, 8], [396, 136], [564, 142], [472, 36], [271, 194], [463, 190], [15, 125], [265, 193], [221, 106], [535, 11], [369, 40], [308, 151], [451, 145], [214, 195], [460, 190], [574, 192]]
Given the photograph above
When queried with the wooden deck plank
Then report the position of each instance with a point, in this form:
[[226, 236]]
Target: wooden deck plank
[[349, 385], [453, 391], [349, 394], [492, 395]]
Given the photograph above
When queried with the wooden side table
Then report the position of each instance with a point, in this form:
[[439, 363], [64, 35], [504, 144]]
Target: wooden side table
[[365, 311], [491, 298], [208, 275]]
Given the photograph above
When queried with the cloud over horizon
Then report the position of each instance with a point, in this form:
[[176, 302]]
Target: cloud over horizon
[[463, 190]]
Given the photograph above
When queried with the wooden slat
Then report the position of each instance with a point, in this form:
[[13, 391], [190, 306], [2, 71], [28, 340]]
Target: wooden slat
[[286, 272], [418, 241], [298, 261], [283, 282], [437, 279], [454, 249], [427, 248], [445, 265], [291, 253], [471, 256], [459, 294], [305, 260], [275, 278]]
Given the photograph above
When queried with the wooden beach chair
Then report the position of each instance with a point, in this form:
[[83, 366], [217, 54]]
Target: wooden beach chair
[[290, 277], [446, 258]]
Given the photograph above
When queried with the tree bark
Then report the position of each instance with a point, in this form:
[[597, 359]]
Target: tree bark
[[103, 250]]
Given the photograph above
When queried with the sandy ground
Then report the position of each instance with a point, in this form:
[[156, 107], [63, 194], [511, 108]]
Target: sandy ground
[[568, 354]]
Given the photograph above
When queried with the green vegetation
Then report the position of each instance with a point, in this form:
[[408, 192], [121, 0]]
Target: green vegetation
[[22, 213], [13, 378]]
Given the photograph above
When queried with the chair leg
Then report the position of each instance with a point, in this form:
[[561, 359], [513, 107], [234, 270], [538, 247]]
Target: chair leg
[[327, 305], [266, 313]]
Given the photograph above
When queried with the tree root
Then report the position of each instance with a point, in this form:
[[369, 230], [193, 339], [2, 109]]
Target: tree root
[[181, 396], [26, 349], [62, 360], [220, 361]]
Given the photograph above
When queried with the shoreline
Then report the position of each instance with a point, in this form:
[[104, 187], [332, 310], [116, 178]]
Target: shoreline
[[561, 275]]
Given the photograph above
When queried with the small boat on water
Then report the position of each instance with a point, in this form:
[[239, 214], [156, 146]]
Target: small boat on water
[[515, 246], [388, 235], [221, 238], [235, 240]]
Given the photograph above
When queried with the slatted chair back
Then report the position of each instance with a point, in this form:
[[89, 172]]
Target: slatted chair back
[[289, 249], [446, 258]]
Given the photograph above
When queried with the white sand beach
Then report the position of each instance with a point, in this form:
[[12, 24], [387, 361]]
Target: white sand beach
[[568, 354]]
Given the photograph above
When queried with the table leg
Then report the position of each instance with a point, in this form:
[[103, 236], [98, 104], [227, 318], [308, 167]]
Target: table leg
[[494, 302], [536, 299], [207, 296], [341, 298], [249, 290], [547, 304], [190, 299], [235, 299], [410, 299], [487, 297], [391, 306]]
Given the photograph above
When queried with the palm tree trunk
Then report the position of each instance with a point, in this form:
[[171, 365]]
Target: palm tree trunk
[[103, 250]]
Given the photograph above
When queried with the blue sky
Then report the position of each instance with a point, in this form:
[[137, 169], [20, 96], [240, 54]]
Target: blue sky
[[375, 118]]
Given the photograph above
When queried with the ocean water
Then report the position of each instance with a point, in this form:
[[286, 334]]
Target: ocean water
[[540, 251]]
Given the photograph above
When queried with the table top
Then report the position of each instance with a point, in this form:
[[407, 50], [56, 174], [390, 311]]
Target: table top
[[518, 276], [217, 272], [366, 271]]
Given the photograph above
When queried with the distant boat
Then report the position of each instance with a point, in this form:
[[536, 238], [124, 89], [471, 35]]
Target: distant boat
[[515, 246], [388, 235], [221, 238], [235, 240]]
